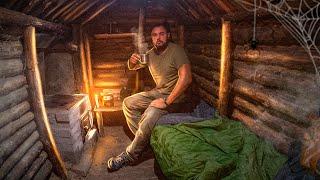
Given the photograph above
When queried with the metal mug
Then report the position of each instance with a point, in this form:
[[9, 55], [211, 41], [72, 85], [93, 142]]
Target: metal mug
[[144, 58]]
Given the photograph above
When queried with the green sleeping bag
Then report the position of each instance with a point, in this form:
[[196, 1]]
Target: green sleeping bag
[[214, 149]]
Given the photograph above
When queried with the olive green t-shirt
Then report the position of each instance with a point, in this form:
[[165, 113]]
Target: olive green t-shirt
[[164, 68]]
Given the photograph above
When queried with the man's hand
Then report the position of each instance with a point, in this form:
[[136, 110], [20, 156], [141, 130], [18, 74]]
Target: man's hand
[[158, 103], [134, 58]]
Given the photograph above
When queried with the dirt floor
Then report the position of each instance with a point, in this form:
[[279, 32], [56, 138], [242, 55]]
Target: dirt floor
[[115, 141]]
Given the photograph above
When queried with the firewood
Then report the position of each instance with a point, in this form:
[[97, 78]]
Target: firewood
[[9, 145], [22, 166], [12, 127], [262, 114], [35, 166], [44, 171], [13, 113], [11, 83], [298, 108], [13, 98], [10, 67], [17, 154], [280, 141], [206, 85]]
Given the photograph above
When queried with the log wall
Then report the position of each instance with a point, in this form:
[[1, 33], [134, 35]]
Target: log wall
[[273, 91], [22, 153]]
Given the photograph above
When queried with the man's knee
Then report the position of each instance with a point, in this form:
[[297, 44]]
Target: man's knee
[[128, 102]]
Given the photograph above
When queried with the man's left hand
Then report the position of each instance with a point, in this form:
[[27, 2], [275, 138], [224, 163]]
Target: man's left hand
[[158, 103]]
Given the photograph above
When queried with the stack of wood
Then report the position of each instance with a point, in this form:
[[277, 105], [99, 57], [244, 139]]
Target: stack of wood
[[22, 153]]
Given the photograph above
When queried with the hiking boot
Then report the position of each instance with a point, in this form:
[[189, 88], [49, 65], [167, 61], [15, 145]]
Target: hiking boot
[[122, 160]]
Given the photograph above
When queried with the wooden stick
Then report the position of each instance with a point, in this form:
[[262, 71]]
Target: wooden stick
[[9, 84], [10, 67], [9, 145], [10, 17], [83, 64], [36, 93], [44, 171], [89, 63], [280, 141], [99, 10], [22, 166], [14, 126], [13, 98], [35, 166], [17, 154], [225, 68], [13, 113]]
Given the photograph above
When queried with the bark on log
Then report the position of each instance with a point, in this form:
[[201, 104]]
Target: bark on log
[[206, 85], [36, 94], [293, 81], [114, 36], [89, 63], [261, 114], [85, 80], [35, 166], [298, 108], [44, 171], [13, 17], [23, 165], [10, 49], [205, 62], [9, 145], [280, 141], [13, 113], [9, 84], [209, 98], [10, 67], [293, 57], [210, 75], [209, 50], [13, 98], [12, 127], [17, 154]]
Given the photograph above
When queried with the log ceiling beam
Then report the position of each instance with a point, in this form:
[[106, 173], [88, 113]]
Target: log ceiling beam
[[10, 17], [225, 6], [101, 8], [63, 9], [61, 3]]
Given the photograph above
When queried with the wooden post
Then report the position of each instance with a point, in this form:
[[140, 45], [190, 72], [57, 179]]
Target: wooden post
[[83, 63], [181, 35], [225, 68], [89, 63], [36, 93]]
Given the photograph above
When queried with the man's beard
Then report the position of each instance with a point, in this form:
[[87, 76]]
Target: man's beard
[[161, 48]]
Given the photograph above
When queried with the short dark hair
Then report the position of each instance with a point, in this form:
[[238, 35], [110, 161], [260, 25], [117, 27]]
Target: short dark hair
[[165, 25]]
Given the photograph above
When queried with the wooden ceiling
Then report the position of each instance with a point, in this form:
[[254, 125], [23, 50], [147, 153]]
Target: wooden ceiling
[[82, 11]]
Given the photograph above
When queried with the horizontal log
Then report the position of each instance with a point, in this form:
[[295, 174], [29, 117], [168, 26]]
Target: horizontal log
[[209, 98], [12, 127], [259, 113], [10, 49], [293, 57], [35, 166], [210, 75], [280, 141], [119, 35], [11, 83], [206, 85], [204, 37], [23, 165], [205, 62], [10, 67], [13, 113], [298, 108], [9, 145], [13, 98], [17, 154], [209, 50], [10, 17], [293, 81], [44, 171]]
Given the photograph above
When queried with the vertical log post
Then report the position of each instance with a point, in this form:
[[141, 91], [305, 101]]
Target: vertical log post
[[225, 68], [86, 88], [36, 93], [181, 35], [89, 63]]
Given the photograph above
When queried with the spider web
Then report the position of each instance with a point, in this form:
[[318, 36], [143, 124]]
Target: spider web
[[301, 20]]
